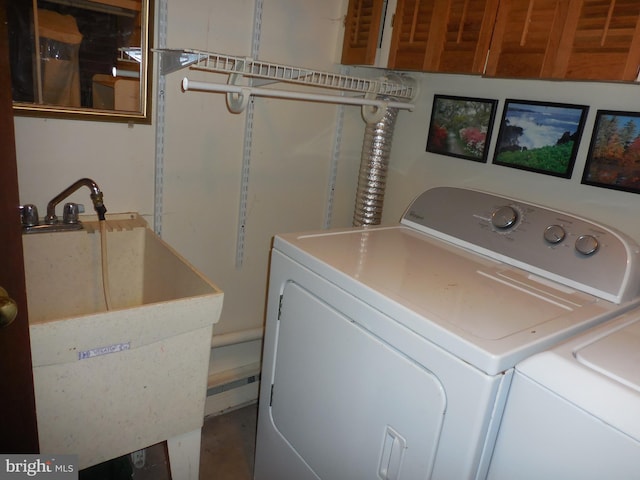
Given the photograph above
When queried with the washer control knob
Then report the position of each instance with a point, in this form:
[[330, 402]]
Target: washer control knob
[[587, 244], [504, 217], [554, 234]]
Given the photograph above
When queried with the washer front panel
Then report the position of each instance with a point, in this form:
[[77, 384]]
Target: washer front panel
[[342, 379], [597, 372]]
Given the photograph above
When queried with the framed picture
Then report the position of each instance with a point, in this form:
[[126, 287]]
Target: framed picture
[[540, 136], [461, 127], [613, 160]]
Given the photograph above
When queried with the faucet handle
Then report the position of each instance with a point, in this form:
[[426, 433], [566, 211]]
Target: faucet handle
[[70, 212], [29, 215]]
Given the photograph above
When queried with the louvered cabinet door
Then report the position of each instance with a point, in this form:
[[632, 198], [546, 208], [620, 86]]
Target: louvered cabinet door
[[601, 41], [526, 38], [465, 43], [362, 31], [449, 36], [411, 31]]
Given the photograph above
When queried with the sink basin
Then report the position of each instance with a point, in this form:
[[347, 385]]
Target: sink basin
[[108, 383]]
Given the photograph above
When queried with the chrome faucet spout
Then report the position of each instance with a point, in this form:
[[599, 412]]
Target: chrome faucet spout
[[96, 198]]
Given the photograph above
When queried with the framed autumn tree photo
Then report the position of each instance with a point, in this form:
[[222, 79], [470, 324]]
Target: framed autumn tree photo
[[613, 160]]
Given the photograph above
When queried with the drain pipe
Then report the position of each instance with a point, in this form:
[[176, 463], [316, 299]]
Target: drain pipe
[[374, 163]]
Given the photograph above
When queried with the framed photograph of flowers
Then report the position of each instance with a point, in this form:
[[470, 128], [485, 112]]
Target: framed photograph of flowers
[[613, 160], [461, 127], [540, 137]]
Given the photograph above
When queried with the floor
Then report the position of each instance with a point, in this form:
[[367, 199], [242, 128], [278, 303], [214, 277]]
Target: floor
[[228, 444], [226, 453]]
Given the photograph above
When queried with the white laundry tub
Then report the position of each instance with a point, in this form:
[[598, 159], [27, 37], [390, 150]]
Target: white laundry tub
[[112, 382]]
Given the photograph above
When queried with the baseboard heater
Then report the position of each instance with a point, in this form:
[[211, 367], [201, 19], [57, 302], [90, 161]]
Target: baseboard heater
[[232, 385], [232, 389]]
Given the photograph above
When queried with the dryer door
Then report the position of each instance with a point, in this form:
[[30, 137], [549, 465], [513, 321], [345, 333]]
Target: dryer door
[[347, 402]]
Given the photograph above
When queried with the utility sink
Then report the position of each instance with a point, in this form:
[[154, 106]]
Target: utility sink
[[111, 382]]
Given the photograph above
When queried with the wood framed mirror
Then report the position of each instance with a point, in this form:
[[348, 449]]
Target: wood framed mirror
[[83, 59]]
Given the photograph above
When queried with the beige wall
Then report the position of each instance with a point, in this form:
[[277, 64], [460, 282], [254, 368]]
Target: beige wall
[[412, 170], [289, 170], [292, 148]]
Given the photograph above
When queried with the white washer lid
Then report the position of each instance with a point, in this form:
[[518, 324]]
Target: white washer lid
[[616, 355], [598, 371]]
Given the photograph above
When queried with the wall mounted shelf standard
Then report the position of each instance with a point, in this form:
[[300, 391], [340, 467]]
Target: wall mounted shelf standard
[[375, 95]]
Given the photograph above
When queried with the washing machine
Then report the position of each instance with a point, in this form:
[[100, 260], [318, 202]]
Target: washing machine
[[573, 412], [389, 351]]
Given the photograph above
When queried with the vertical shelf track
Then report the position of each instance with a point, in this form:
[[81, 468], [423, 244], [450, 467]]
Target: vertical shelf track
[[333, 168], [160, 119], [247, 145]]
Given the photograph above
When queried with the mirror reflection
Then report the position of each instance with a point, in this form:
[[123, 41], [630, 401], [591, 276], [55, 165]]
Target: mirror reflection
[[71, 57]]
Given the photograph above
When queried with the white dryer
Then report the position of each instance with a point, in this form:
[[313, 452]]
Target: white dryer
[[574, 412], [389, 351]]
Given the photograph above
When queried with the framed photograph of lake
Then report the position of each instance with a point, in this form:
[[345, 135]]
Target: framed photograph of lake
[[461, 127], [613, 160], [540, 137]]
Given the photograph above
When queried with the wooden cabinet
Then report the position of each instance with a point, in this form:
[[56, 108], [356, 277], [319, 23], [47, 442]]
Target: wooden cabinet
[[526, 38], [566, 39], [362, 30], [602, 42], [561, 39], [442, 35], [426, 35]]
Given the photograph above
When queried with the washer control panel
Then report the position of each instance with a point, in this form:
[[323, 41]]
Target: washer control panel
[[577, 252]]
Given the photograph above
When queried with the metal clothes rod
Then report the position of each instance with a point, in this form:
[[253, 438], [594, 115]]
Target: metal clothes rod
[[245, 92]]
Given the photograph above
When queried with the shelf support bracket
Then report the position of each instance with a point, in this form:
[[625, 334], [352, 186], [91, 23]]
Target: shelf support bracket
[[238, 101], [374, 113]]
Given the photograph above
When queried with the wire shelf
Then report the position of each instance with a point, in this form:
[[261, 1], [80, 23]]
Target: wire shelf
[[221, 63]]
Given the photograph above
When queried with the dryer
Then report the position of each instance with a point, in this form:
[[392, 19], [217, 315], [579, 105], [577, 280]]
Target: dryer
[[574, 412], [389, 351]]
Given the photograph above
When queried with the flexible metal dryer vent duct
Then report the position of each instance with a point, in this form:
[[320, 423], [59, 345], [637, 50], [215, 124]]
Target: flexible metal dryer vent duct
[[374, 164]]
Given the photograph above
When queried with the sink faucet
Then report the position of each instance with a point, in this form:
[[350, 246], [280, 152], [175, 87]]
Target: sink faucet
[[96, 198]]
